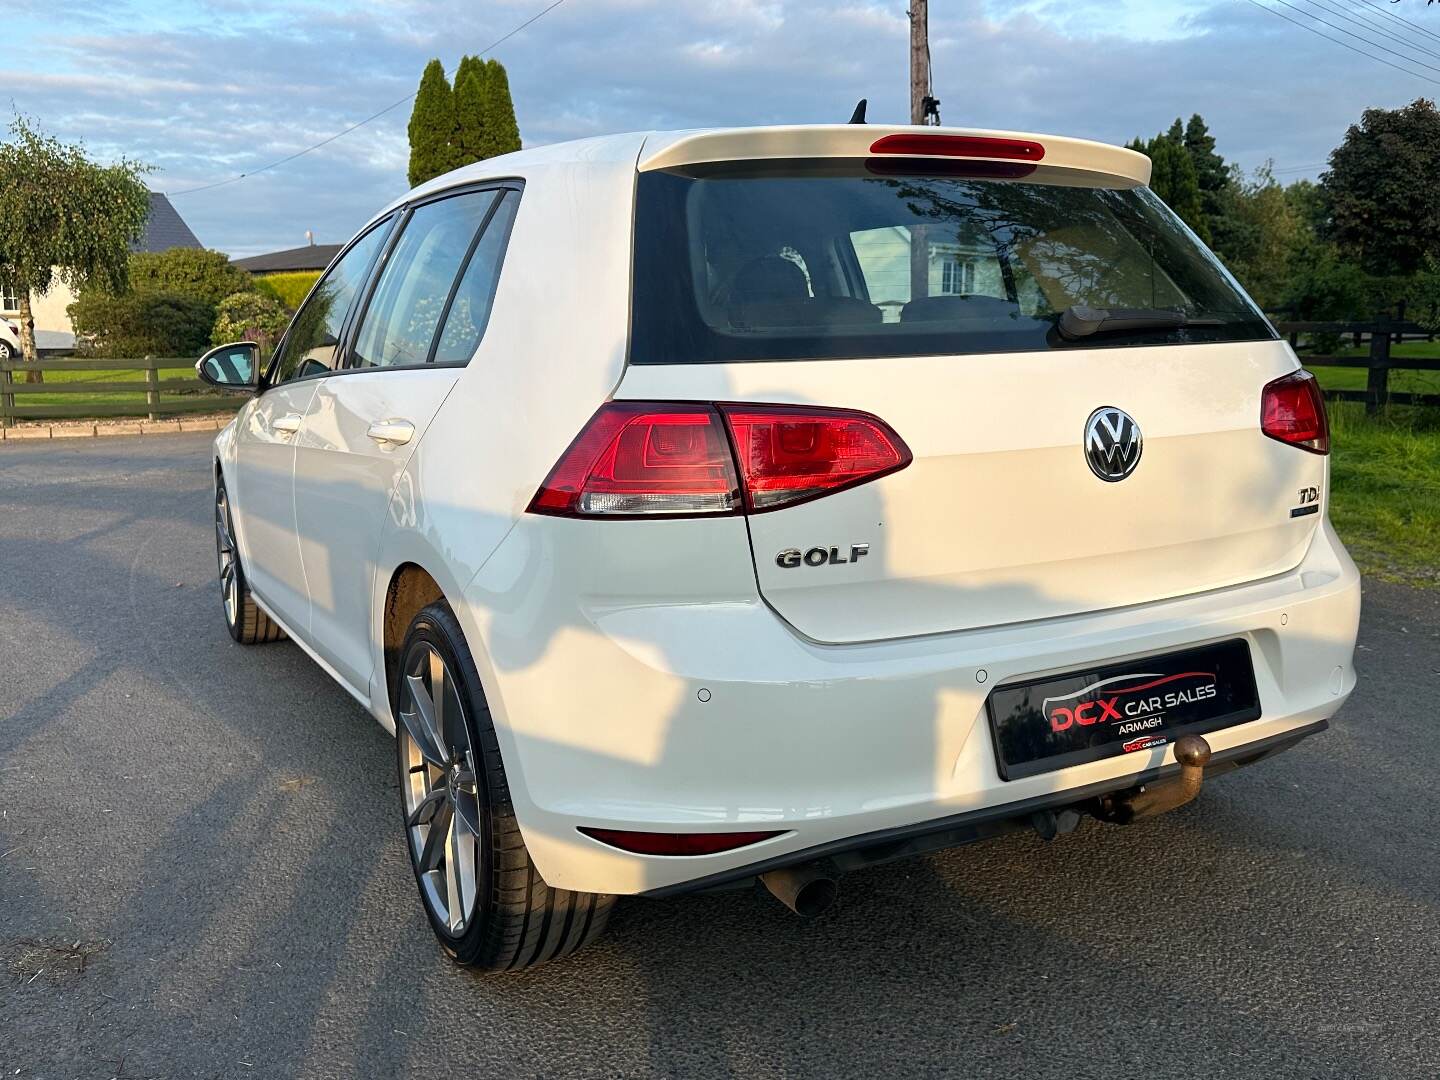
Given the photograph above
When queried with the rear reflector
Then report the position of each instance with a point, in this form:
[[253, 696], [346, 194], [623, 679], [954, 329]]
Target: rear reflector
[[649, 459], [652, 843], [1292, 410], [967, 146]]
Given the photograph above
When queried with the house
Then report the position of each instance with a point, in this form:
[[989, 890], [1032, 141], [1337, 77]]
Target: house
[[312, 257], [164, 229], [955, 268]]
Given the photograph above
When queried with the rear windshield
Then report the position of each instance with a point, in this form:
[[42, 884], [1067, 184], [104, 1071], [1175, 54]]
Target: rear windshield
[[822, 260]]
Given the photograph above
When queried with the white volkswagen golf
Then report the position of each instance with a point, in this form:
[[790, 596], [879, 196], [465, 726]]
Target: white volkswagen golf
[[717, 506]]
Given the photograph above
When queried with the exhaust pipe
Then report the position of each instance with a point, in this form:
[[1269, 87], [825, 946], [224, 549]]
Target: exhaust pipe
[[807, 890]]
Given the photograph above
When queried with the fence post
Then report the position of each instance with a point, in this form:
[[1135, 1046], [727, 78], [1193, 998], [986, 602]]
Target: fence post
[[1377, 382], [7, 400], [1400, 315], [152, 387]]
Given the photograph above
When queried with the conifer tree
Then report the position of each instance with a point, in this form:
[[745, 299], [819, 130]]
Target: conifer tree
[[502, 133], [432, 126], [470, 86]]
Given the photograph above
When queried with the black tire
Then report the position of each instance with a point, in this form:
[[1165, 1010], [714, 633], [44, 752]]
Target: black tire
[[517, 920], [7, 351], [243, 618]]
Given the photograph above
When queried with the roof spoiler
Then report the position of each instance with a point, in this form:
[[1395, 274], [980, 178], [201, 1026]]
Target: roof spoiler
[[871, 140]]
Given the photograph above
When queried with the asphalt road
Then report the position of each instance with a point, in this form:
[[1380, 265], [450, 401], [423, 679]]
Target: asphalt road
[[201, 874]]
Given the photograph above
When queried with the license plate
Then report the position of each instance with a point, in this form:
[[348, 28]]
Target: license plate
[[1115, 709]]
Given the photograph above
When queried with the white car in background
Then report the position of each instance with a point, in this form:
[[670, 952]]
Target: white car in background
[[710, 506], [9, 339]]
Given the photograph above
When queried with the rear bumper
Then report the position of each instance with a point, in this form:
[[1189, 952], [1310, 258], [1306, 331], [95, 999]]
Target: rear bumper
[[715, 716], [872, 849]]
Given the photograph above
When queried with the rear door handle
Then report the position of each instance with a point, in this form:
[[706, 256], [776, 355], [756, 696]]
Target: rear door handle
[[396, 432], [288, 424]]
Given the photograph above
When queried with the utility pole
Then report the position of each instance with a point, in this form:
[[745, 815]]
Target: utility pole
[[919, 59], [921, 106]]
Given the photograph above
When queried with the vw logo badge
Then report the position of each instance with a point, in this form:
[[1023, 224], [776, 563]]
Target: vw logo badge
[[1112, 443]]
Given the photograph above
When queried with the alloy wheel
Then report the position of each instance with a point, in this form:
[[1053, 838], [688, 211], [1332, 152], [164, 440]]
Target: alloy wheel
[[440, 787], [225, 555]]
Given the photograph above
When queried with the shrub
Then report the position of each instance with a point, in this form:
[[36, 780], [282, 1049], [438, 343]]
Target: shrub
[[141, 324], [204, 275], [290, 288], [250, 316]]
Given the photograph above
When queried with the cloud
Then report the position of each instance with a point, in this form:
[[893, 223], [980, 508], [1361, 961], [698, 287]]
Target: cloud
[[206, 89]]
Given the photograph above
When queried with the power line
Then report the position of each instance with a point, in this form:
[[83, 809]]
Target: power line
[[1349, 16], [1343, 44], [1400, 19], [1356, 37], [373, 116], [1301, 168]]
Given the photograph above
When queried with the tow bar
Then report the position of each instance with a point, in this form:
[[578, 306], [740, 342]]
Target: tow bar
[[1123, 807]]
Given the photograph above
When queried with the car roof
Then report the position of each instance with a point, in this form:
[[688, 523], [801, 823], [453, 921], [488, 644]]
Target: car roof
[[649, 150]]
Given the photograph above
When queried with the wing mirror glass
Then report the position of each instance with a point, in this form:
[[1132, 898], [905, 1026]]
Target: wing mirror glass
[[231, 367]]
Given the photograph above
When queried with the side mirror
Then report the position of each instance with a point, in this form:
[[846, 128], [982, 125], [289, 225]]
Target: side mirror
[[231, 367]]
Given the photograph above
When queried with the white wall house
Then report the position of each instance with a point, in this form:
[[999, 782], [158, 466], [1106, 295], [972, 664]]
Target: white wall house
[[164, 229], [956, 269]]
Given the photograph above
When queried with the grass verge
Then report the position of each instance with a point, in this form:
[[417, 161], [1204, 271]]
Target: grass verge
[[1385, 490]]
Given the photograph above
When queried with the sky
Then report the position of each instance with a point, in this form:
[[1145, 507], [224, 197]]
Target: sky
[[203, 90]]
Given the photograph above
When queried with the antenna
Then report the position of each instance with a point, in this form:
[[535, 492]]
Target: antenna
[[858, 116]]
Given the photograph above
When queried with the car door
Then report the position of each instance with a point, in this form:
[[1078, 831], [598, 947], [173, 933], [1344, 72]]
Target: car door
[[418, 328], [265, 452]]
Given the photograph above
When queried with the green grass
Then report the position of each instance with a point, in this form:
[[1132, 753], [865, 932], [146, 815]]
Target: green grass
[[1401, 382], [1385, 490], [222, 401]]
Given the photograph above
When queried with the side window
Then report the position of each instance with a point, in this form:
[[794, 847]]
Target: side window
[[470, 307], [409, 300], [314, 334]]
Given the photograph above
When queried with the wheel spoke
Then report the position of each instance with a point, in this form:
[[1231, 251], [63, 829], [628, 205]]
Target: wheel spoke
[[419, 721], [435, 839], [437, 698], [467, 803], [426, 809], [455, 874]]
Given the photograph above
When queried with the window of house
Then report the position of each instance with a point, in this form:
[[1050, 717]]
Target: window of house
[[8, 300]]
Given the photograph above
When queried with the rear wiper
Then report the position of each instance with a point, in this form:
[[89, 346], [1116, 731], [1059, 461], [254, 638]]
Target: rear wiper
[[1079, 321]]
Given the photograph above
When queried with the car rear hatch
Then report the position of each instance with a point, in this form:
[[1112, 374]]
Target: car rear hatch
[[1076, 381]]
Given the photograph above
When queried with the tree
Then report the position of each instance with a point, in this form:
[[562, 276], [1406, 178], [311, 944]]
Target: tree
[[471, 84], [141, 323], [196, 272], [432, 127], [111, 324], [1172, 177], [502, 133], [250, 316], [63, 216], [1266, 232], [1381, 198]]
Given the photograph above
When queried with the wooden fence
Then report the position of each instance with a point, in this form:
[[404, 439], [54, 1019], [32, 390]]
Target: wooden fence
[[1384, 332], [154, 397]]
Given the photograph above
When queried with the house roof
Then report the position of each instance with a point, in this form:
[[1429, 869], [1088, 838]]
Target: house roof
[[309, 257], [164, 228]]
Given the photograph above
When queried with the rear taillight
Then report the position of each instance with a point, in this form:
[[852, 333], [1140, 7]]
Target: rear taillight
[[642, 459], [652, 843], [647, 459], [1292, 410], [791, 453]]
